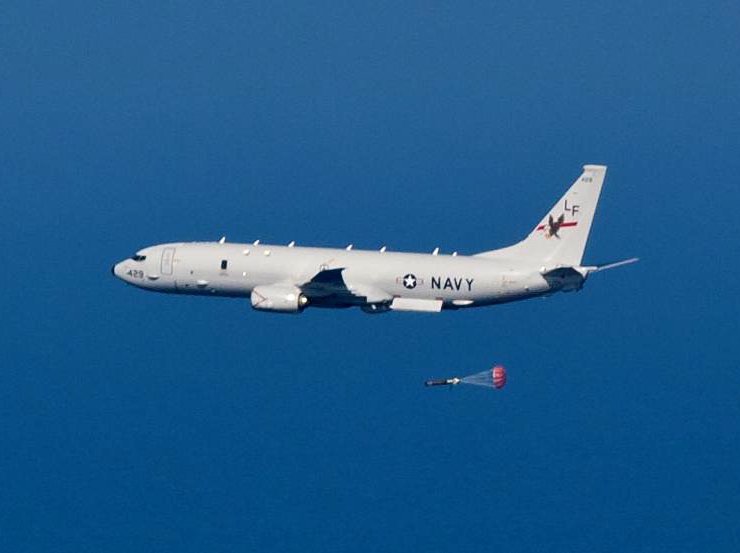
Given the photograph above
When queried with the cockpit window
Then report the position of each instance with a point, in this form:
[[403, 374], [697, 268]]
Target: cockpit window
[[138, 257]]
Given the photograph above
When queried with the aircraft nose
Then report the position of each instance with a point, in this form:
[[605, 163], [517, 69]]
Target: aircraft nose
[[115, 270]]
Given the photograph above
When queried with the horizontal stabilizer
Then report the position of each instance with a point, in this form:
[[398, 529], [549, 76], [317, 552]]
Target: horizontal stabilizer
[[613, 265], [568, 278], [564, 272]]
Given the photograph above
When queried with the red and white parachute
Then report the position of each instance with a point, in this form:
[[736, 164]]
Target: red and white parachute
[[495, 377], [498, 375]]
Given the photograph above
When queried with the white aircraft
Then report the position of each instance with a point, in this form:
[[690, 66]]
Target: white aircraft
[[287, 279]]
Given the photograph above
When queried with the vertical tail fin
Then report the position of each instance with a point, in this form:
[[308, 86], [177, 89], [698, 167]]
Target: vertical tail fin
[[560, 237]]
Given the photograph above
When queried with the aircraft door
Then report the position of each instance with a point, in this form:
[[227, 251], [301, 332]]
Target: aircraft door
[[168, 255]]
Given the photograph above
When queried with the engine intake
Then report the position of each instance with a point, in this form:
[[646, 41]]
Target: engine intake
[[279, 298]]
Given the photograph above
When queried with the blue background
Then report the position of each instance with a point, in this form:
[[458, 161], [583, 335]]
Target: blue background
[[133, 421]]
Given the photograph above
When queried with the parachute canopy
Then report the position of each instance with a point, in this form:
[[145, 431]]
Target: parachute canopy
[[499, 376]]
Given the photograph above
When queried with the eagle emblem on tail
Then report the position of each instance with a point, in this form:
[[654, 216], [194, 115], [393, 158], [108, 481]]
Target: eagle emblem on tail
[[553, 226]]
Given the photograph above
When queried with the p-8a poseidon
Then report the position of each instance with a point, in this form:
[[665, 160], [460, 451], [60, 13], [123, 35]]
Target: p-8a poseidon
[[288, 279]]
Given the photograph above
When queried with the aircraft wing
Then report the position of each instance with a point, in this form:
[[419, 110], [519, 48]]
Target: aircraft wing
[[325, 283], [330, 289]]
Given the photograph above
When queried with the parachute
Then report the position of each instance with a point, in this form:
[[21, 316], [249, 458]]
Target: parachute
[[495, 377]]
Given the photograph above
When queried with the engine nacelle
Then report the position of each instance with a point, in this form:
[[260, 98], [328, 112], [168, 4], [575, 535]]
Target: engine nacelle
[[279, 298]]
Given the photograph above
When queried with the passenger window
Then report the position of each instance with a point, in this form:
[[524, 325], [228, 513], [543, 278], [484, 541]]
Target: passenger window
[[224, 263]]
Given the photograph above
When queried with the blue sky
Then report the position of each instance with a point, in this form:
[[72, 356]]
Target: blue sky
[[144, 422]]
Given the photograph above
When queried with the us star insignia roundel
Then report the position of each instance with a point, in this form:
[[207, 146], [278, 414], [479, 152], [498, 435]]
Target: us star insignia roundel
[[409, 281]]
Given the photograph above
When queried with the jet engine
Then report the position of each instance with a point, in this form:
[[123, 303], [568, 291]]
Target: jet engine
[[279, 298]]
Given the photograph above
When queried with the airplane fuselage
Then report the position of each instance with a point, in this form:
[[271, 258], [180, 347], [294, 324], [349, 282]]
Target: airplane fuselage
[[372, 278]]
